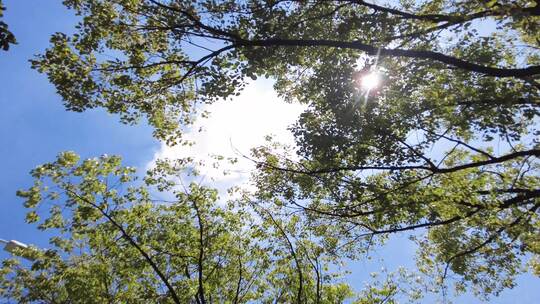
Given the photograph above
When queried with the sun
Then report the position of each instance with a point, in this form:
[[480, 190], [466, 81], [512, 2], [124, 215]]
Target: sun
[[370, 81]]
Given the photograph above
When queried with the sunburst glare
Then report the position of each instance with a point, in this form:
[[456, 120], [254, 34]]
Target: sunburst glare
[[370, 81]]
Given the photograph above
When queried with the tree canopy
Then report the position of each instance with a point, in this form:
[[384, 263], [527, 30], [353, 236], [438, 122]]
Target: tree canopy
[[115, 243], [446, 146], [159, 58]]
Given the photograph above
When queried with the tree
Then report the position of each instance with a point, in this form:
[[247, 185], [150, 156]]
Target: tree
[[6, 37], [114, 243], [448, 142]]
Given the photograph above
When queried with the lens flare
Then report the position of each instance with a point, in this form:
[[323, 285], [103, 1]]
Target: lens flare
[[370, 81]]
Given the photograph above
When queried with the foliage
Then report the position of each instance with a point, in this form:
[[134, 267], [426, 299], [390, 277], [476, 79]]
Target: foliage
[[153, 58], [448, 142], [6, 37], [113, 243]]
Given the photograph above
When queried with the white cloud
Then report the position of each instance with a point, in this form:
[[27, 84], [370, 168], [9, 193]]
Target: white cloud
[[235, 126]]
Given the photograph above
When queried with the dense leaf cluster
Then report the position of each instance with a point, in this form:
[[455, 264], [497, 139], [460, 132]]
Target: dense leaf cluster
[[114, 243], [6, 37]]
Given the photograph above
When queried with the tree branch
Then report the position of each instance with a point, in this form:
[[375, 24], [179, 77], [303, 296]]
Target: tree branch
[[434, 170], [385, 52], [293, 253], [238, 41], [200, 290], [133, 243]]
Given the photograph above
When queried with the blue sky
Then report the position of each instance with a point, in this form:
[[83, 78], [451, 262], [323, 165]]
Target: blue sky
[[34, 128]]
